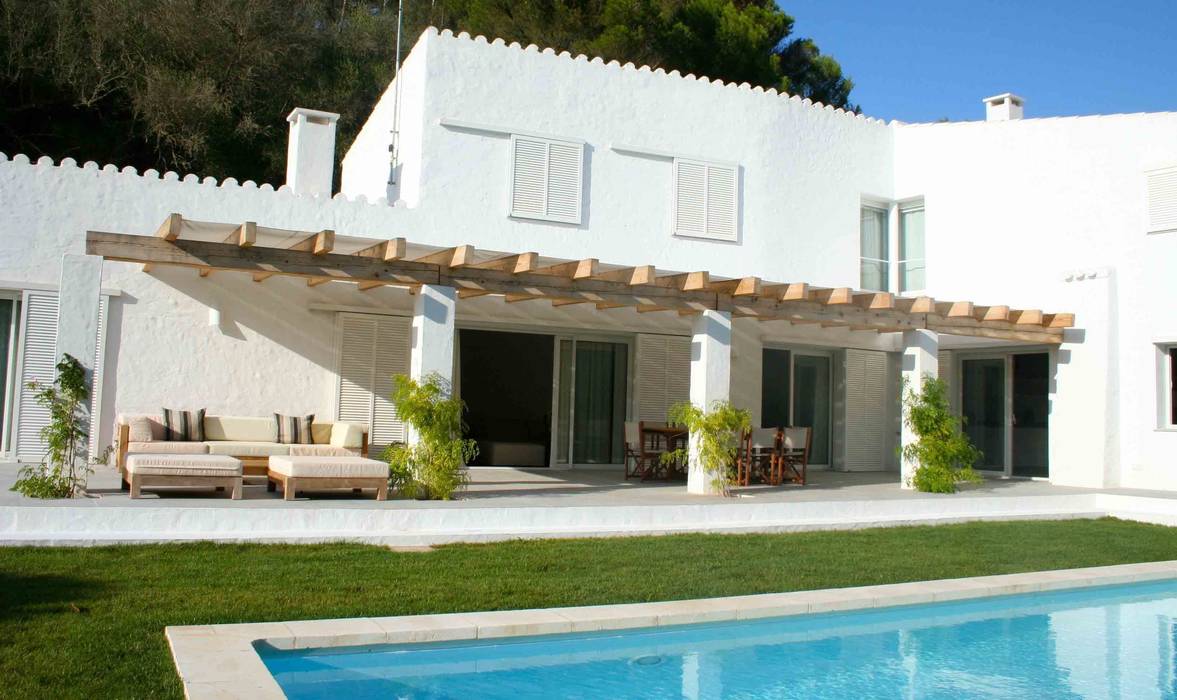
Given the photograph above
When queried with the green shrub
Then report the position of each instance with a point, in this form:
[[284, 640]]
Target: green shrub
[[942, 451], [717, 433], [63, 471], [433, 466]]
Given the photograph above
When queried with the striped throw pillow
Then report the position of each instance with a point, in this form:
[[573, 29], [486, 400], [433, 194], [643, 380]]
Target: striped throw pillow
[[294, 430], [183, 426]]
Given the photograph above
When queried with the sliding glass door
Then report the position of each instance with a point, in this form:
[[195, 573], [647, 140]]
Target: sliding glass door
[[1005, 402], [591, 401], [796, 391]]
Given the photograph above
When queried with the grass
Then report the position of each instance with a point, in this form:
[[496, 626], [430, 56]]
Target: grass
[[89, 622]]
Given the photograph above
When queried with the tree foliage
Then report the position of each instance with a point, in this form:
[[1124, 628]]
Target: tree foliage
[[942, 452], [203, 85]]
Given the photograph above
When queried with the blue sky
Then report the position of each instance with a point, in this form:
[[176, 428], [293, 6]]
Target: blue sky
[[920, 60]]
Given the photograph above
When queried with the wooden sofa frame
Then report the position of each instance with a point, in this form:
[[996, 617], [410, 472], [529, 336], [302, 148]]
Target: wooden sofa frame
[[251, 465]]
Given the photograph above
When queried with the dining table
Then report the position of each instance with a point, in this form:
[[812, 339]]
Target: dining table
[[668, 439]]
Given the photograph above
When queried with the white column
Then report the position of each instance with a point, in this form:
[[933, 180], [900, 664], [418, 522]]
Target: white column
[[711, 370], [433, 332], [920, 351]]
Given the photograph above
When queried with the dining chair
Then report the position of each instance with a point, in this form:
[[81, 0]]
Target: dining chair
[[794, 458], [759, 456]]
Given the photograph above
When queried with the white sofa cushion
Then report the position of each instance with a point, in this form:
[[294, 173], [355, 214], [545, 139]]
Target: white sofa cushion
[[322, 451], [240, 429], [171, 447], [242, 448], [349, 435], [183, 465], [329, 467], [137, 421]]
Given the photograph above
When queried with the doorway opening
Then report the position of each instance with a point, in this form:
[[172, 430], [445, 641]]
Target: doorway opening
[[592, 401], [506, 382], [1005, 401], [9, 342], [796, 391]]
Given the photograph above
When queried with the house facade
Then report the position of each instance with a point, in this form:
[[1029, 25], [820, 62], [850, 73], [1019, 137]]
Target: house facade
[[482, 152]]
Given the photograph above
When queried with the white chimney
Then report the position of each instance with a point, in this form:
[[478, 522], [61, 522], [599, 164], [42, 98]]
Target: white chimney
[[1003, 107], [310, 153]]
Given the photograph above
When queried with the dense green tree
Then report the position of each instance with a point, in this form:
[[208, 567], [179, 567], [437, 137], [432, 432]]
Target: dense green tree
[[202, 85]]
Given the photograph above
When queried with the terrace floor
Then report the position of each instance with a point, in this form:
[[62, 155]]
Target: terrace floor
[[519, 487], [504, 503]]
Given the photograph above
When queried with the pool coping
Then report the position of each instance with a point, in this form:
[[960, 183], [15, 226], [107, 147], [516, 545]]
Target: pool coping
[[221, 661]]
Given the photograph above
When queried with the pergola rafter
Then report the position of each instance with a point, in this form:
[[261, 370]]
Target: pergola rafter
[[322, 257]]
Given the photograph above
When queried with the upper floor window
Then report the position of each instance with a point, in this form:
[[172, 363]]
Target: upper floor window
[[875, 249], [1162, 200], [911, 248], [546, 179], [1167, 394], [705, 197]]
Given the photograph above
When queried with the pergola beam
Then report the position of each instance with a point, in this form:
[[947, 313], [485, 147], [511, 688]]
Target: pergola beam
[[169, 230], [518, 277], [320, 243]]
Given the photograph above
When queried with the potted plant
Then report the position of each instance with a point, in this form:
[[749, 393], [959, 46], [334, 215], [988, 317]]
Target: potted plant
[[942, 452], [63, 471], [433, 465], [716, 433]]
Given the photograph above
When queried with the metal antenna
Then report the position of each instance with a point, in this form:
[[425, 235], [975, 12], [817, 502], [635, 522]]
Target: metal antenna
[[394, 144]]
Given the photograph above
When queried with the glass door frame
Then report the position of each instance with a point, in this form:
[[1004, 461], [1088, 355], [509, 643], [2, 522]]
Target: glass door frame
[[8, 414], [794, 351], [1007, 357], [575, 336]]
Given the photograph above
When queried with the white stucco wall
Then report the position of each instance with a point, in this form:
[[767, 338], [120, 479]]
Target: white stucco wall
[[1050, 214]]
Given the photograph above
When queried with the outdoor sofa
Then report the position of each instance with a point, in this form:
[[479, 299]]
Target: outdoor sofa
[[251, 440]]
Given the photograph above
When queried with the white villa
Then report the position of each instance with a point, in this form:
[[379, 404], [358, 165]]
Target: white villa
[[576, 244]]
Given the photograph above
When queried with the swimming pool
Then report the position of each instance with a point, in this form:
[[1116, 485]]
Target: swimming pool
[[1105, 642]]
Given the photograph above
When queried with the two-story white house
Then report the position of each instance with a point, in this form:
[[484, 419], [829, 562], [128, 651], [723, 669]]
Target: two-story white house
[[575, 244]]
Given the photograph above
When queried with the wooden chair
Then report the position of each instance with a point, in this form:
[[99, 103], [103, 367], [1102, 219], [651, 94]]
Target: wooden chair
[[634, 465], [652, 446], [758, 456], [794, 458]]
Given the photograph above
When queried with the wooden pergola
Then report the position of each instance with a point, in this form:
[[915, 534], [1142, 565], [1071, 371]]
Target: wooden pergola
[[320, 257]]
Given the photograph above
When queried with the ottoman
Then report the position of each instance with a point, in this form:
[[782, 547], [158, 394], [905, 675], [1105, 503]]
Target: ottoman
[[312, 473], [211, 471]]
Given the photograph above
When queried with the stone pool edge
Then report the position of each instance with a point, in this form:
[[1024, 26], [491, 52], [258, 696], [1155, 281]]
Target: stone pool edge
[[220, 661]]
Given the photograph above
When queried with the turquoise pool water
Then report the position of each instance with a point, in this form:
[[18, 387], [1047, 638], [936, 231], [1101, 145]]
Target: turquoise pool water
[[1111, 642]]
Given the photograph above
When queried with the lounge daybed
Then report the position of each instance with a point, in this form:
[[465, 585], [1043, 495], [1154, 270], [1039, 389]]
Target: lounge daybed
[[250, 440], [210, 471], [309, 473]]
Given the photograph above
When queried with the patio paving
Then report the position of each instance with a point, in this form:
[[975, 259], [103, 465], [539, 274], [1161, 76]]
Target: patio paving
[[510, 487]]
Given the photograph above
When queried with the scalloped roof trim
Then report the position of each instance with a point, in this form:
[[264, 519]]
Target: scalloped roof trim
[[630, 67], [46, 164]]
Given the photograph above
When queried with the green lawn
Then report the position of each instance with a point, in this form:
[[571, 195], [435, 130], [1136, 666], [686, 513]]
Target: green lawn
[[89, 622]]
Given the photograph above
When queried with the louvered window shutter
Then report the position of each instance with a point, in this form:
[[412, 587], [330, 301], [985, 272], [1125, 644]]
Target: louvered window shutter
[[705, 200], [866, 410], [1162, 200], [371, 350], [38, 339], [546, 179], [96, 386], [663, 370]]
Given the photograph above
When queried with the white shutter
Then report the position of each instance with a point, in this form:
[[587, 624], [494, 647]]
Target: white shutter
[[546, 179], [1162, 200], [371, 350], [690, 198], [38, 342], [866, 410], [391, 358], [663, 374], [96, 386], [705, 200]]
